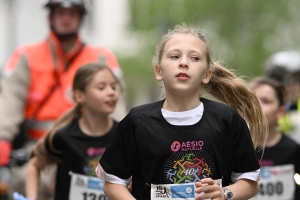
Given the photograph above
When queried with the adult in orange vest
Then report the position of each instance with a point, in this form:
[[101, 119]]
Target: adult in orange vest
[[37, 79]]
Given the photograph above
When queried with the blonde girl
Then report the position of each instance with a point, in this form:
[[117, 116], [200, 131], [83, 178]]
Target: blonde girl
[[80, 136], [186, 139]]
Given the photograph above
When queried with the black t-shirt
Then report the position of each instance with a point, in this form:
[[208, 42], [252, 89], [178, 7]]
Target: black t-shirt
[[153, 151], [80, 154], [286, 151]]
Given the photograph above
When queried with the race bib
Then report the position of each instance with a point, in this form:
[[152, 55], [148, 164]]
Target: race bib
[[86, 188], [276, 183], [176, 191]]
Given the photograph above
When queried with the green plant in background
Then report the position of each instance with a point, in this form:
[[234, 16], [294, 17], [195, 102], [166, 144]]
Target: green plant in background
[[241, 33]]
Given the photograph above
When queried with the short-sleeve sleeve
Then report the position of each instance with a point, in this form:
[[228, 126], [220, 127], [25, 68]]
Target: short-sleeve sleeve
[[245, 159], [120, 157]]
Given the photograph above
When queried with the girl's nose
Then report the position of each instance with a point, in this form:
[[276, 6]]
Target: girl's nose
[[111, 91], [183, 62]]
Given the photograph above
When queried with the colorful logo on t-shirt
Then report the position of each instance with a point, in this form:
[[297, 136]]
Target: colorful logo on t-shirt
[[187, 146], [93, 157], [90, 166], [95, 151], [186, 167]]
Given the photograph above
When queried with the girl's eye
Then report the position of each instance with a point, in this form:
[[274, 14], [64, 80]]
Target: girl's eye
[[100, 87], [194, 58], [266, 101], [174, 57], [114, 87]]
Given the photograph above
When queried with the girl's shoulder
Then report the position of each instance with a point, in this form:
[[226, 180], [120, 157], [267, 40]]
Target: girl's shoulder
[[217, 107], [218, 110], [142, 112], [68, 128], [149, 107], [115, 124], [289, 143]]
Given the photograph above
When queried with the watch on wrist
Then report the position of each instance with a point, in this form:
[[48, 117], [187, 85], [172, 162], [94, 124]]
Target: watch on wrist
[[228, 195]]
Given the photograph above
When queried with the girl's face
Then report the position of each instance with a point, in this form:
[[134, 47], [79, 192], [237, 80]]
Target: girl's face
[[270, 104], [293, 88], [100, 95], [183, 65]]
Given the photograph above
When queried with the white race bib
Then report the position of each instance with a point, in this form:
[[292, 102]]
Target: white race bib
[[276, 183], [176, 191], [86, 188]]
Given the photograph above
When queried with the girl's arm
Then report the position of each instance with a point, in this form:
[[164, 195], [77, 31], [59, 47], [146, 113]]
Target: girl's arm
[[32, 177], [243, 189], [117, 191]]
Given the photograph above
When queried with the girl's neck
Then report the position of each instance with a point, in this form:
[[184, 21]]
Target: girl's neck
[[95, 125], [181, 104], [274, 137]]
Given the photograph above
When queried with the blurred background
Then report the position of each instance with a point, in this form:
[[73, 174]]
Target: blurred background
[[242, 34]]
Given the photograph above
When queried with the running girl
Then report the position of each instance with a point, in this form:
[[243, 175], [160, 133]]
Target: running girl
[[184, 138], [79, 138], [281, 153]]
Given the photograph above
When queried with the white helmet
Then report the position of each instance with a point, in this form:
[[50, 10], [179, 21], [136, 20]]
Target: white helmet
[[68, 3], [289, 60], [282, 64]]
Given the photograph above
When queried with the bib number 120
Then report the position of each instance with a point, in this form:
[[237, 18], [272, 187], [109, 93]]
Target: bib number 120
[[93, 196]]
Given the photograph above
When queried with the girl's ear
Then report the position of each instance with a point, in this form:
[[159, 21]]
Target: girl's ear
[[78, 96], [281, 112], [158, 74], [207, 76]]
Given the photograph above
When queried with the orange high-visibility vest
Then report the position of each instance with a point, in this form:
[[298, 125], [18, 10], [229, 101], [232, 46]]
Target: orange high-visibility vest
[[45, 73]]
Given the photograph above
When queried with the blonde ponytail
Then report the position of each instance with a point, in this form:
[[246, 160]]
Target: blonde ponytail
[[226, 87]]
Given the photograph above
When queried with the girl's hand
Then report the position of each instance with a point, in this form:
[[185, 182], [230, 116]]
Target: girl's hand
[[209, 190]]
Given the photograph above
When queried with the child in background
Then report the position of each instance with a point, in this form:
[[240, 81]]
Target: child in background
[[79, 137], [281, 153], [184, 138]]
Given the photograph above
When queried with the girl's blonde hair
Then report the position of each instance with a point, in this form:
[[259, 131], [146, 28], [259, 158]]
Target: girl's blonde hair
[[225, 86], [82, 78]]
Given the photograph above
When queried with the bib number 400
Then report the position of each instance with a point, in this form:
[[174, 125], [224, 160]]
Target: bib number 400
[[271, 188], [93, 196]]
